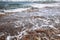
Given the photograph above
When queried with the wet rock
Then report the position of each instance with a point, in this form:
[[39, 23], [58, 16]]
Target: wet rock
[[2, 14], [32, 9], [9, 28], [3, 37]]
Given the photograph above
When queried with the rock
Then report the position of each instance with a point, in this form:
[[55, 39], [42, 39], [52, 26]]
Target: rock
[[2, 14]]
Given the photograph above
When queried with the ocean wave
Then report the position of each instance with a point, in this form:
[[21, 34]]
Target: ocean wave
[[16, 10], [45, 5], [34, 5]]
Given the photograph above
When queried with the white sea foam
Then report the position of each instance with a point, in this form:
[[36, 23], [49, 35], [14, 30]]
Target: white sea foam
[[1, 13], [44, 5], [8, 38], [16, 10]]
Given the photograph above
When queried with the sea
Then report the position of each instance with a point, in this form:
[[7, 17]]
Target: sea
[[6, 5], [24, 20]]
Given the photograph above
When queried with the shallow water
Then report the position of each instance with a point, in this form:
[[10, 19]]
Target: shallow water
[[45, 22]]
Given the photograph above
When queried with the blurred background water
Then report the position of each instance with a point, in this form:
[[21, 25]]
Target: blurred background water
[[13, 5], [10, 4]]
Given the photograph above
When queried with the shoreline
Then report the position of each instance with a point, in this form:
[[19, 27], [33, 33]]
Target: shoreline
[[34, 26]]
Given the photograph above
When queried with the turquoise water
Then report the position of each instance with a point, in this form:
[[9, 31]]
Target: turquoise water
[[13, 5]]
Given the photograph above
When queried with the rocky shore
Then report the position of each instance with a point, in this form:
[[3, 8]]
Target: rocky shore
[[29, 25]]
